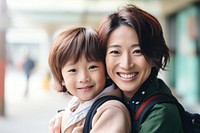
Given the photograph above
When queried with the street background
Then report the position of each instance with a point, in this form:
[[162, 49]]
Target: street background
[[32, 113]]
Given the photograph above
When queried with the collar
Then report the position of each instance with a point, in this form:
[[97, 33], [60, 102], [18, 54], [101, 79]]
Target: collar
[[138, 96], [79, 111]]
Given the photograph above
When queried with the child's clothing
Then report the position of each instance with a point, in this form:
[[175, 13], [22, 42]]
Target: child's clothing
[[119, 122]]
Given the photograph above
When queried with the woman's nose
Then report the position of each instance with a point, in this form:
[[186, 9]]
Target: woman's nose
[[126, 62]]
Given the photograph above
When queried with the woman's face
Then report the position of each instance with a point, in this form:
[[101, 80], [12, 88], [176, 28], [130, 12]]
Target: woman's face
[[125, 63]]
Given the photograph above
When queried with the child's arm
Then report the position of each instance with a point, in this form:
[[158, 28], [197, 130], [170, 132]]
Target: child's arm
[[111, 117], [55, 123]]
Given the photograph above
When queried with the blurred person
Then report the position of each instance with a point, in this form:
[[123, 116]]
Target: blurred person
[[78, 67], [135, 50], [28, 66]]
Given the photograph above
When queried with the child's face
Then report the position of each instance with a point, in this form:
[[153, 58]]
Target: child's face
[[84, 79]]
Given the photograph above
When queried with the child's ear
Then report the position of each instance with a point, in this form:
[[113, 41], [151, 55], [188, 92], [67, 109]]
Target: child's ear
[[63, 83]]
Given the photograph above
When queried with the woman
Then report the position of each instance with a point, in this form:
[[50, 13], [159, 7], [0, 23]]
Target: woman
[[135, 51]]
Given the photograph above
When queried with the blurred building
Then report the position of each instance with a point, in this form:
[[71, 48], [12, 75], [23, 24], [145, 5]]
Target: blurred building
[[184, 42]]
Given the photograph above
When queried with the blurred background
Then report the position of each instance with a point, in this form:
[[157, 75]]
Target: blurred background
[[27, 28]]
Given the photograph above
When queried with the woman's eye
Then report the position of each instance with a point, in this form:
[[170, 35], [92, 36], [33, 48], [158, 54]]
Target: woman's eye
[[137, 52], [114, 52]]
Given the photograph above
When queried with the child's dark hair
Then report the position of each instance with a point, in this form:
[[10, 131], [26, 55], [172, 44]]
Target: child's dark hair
[[70, 45]]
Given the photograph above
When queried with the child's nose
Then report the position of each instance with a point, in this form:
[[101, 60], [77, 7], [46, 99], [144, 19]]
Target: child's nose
[[84, 77]]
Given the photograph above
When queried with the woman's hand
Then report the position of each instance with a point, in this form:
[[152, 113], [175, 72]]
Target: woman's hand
[[55, 123]]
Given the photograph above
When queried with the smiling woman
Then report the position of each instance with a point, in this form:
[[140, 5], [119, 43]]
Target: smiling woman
[[135, 51], [126, 64]]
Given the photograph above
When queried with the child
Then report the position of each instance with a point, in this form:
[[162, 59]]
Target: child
[[77, 64]]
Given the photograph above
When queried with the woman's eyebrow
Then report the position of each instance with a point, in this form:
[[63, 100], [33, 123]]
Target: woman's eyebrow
[[114, 46], [135, 45]]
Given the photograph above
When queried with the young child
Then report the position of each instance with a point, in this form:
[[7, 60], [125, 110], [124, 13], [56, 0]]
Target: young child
[[77, 64]]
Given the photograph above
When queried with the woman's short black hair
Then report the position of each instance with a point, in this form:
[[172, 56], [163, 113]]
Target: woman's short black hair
[[148, 29]]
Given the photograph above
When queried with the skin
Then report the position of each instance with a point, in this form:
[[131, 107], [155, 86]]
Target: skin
[[55, 123], [84, 79], [125, 63]]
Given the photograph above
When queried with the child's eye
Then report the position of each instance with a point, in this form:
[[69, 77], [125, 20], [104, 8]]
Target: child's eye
[[72, 70], [93, 67]]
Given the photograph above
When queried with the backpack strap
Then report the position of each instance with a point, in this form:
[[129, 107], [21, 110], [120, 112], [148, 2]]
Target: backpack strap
[[93, 110], [143, 110], [190, 122]]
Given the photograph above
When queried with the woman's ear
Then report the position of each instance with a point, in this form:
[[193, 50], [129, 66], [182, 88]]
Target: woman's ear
[[151, 63]]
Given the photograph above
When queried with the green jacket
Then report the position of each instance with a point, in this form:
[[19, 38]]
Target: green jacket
[[164, 117]]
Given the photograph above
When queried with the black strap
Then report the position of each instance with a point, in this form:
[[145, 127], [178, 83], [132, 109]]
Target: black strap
[[93, 110], [158, 98]]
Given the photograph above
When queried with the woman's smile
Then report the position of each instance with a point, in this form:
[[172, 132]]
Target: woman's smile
[[127, 75]]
